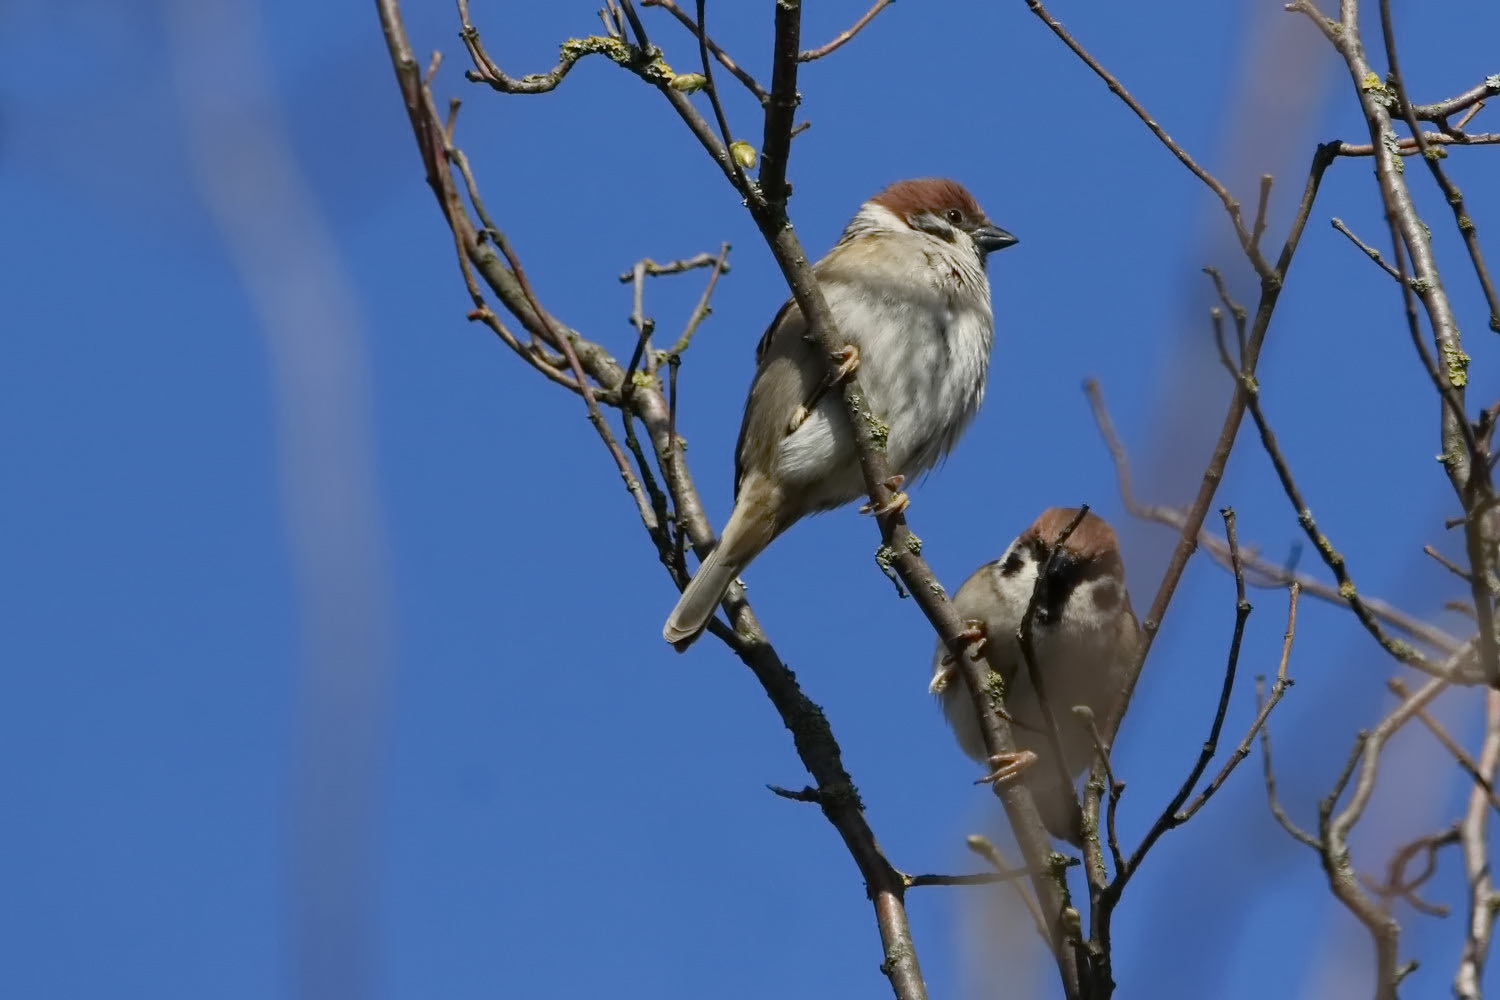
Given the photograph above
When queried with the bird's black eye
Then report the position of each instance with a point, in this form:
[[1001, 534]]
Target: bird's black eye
[[954, 216]]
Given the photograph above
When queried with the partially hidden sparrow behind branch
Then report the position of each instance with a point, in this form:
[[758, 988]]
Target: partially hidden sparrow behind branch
[[906, 284], [1084, 637]]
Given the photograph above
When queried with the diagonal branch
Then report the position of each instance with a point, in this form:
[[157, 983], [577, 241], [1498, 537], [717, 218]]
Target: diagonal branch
[[1437, 729], [686, 19], [1332, 557], [1249, 244], [1439, 111], [1269, 574], [844, 36]]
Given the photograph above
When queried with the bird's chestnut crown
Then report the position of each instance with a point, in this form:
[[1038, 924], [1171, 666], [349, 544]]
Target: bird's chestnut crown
[[944, 209], [1087, 568]]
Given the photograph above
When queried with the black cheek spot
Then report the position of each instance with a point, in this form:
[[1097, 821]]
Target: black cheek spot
[[1012, 565], [1106, 597]]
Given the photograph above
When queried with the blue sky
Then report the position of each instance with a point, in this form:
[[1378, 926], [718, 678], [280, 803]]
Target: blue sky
[[329, 630]]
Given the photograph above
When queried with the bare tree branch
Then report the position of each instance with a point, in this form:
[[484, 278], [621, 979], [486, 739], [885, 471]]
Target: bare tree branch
[[1270, 574], [1411, 147], [1333, 832], [1399, 884], [1269, 774], [987, 850], [1451, 193], [838, 40], [1439, 731], [1263, 711], [1437, 112], [1474, 838], [751, 84], [1370, 251], [1231, 204], [1332, 557], [1170, 817], [1468, 470]]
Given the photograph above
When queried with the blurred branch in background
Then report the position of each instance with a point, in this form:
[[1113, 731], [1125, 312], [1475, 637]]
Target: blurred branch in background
[[1262, 572], [256, 192]]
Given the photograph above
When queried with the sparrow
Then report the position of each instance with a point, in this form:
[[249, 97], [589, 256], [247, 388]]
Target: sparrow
[[906, 283], [1084, 636]]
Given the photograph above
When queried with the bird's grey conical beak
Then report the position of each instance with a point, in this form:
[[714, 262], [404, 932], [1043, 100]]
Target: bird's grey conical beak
[[991, 238]]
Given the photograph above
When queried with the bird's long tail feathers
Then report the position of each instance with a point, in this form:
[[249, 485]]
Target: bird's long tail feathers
[[746, 534]]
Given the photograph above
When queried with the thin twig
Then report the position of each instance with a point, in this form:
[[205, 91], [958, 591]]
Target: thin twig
[[1170, 816], [1231, 205], [644, 327], [1370, 251], [980, 878], [1488, 87], [565, 344], [1269, 774], [1403, 651], [1263, 202], [1440, 732], [487, 71], [651, 267], [838, 40], [1411, 147], [1263, 711], [712, 90], [701, 310], [562, 343], [1116, 788], [1399, 884], [1174, 815], [1448, 564], [986, 849], [686, 19]]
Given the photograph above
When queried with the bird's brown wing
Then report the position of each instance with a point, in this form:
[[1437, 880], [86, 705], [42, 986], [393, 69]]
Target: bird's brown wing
[[785, 378]]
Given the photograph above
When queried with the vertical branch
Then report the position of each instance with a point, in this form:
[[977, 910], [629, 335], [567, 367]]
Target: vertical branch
[[1474, 837], [1432, 157], [1467, 470], [776, 148]]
